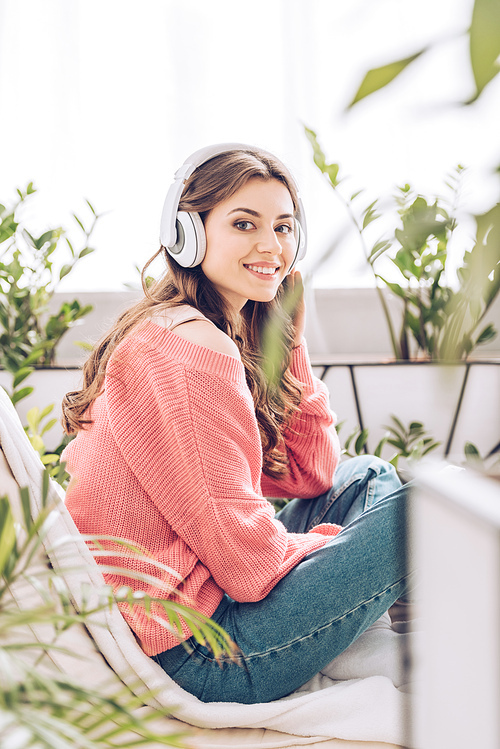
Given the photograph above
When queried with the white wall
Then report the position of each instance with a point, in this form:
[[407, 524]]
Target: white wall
[[342, 324]]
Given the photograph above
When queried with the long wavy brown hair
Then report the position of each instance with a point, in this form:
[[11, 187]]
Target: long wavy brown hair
[[275, 397]]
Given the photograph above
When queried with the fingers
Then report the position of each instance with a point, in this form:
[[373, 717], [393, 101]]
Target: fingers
[[294, 278], [295, 284], [297, 278]]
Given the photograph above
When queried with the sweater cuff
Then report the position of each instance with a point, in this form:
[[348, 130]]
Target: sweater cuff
[[327, 529], [301, 366]]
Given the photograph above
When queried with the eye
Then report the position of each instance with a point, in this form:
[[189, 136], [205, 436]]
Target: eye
[[243, 225], [284, 229]]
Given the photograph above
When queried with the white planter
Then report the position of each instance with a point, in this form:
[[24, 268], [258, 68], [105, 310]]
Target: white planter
[[50, 386], [455, 545], [456, 403]]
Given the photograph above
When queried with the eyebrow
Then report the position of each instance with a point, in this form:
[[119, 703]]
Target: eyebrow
[[257, 214]]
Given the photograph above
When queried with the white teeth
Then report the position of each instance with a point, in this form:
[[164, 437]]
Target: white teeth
[[261, 269]]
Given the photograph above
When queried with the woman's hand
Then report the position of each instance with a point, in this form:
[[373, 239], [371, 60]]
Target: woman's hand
[[296, 304]]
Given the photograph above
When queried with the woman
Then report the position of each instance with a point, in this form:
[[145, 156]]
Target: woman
[[180, 437]]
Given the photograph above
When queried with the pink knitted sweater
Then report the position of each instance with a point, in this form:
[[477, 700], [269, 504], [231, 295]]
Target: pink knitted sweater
[[173, 462]]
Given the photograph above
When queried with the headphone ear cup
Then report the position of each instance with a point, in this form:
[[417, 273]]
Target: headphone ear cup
[[300, 238], [191, 244], [301, 242]]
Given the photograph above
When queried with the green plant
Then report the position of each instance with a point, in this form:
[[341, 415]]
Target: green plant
[[40, 705], [31, 268], [440, 319], [39, 423], [489, 463], [411, 442], [29, 276], [483, 37]]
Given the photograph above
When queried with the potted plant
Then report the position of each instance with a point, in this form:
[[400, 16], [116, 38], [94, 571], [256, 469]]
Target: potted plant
[[31, 268], [434, 378]]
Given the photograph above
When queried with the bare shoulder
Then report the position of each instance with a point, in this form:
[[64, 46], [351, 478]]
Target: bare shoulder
[[203, 333]]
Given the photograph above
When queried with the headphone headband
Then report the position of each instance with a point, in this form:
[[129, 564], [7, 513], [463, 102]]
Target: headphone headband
[[168, 233], [182, 233]]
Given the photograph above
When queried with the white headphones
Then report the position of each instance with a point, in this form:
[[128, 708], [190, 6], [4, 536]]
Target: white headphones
[[182, 233]]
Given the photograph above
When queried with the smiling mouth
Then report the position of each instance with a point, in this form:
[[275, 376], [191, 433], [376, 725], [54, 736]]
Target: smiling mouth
[[265, 271]]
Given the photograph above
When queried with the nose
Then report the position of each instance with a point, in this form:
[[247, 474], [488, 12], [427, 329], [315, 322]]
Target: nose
[[268, 241]]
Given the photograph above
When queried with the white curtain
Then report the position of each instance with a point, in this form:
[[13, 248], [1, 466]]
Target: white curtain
[[103, 99]]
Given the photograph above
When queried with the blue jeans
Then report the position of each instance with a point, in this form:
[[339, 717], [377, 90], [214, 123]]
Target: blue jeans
[[322, 605]]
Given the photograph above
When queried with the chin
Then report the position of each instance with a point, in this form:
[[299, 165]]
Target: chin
[[264, 297]]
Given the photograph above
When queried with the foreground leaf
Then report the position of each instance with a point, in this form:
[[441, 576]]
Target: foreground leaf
[[377, 78]]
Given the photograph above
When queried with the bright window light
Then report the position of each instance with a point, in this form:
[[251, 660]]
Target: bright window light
[[103, 100]]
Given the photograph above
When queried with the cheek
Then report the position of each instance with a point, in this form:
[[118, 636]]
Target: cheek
[[289, 254]]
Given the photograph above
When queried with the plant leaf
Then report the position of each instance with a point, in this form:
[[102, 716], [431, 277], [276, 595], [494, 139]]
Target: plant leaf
[[394, 287], [487, 334], [377, 78], [484, 42], [91, 207], [378, 450], [20, 394], [64, 271], [472, 454], [48, 426], [33, 418], [21, 375], [361, 442], [7, 534]]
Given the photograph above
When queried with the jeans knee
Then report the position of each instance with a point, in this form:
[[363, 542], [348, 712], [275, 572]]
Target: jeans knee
[[363, 463], [381, 466], [386, 470], [383, 470]]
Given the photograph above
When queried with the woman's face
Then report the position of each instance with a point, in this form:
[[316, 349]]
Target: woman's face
[[250, 242]]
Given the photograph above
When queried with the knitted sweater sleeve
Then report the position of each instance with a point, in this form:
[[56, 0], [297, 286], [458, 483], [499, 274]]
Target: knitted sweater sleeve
[[311, 440], [191, 438]]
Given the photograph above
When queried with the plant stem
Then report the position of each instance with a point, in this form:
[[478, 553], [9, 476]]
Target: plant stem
[[396, 349]]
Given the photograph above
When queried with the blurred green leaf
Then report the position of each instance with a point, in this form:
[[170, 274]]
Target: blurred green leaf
[[484, 42], [84, 345], [394, 287], [18, 395], [472, 454], [78, 221], [319, 156], [7, 533], [487, 334], [331, 170], [355, 195], [378, 450], [91, 207], [370, 214], [48, 426], [37, 443], [49, 458], [65, 270], [377, 78], [360, 443], [378, 249], [33, 417], [21, 375]]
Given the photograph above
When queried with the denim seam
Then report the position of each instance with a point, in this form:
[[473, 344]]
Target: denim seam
[[317, 520], [311, 634]]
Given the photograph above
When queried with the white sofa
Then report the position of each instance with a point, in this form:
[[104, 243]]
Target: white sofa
[[109, 654]]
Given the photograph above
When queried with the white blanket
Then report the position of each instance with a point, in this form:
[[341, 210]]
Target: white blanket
[[359, 696]]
